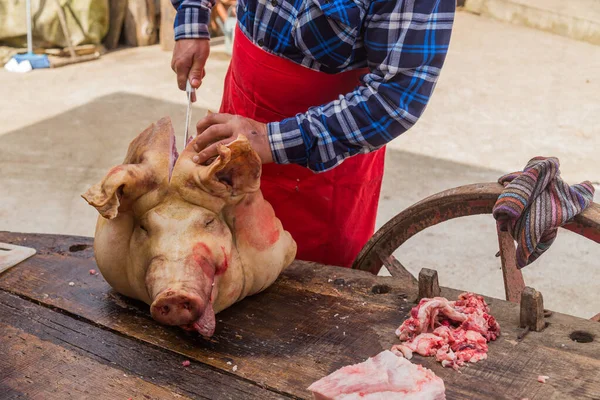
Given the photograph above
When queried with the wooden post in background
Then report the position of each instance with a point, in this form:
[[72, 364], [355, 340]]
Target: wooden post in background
[[167, 18], [118, 8], [140, 23]]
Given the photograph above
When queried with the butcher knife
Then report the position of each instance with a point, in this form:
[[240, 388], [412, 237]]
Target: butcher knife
[[11, 255], [188, 115]]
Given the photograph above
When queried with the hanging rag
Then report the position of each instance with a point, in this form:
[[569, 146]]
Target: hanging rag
[[535, 203]]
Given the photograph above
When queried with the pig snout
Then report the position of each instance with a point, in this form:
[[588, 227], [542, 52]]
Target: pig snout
[[181, 289], [177, 307]]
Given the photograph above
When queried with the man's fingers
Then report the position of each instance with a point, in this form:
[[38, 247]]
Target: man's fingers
[[189, 58], [182, 75], [211, 135], [194, 92], [210, 152], [197, 72], [210, 120]]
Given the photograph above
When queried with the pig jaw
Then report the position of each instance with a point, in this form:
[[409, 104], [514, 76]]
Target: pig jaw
[[181, 295]]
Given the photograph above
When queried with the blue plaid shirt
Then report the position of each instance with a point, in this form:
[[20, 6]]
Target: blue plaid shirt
[[403, 43]]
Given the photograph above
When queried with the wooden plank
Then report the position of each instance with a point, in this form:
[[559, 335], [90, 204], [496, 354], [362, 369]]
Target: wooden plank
[[47, 355], [118, 8], [11, 255], [33, 368], [61, 62], [312, 321], [286, 354], [140, 23], [81, 50]]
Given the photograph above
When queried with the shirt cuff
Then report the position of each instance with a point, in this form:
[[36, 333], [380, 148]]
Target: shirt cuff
[[288, 142], [192, 22]]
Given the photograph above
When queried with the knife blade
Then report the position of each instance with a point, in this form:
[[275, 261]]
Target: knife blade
[[188, 115]]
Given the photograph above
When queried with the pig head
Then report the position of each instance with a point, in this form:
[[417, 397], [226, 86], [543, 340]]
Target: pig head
[[189, 240]]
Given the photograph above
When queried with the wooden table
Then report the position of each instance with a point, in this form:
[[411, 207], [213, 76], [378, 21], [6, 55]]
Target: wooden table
[[59, 341]]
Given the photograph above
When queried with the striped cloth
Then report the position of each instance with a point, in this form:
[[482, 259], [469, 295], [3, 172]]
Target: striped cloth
[[534, 203]]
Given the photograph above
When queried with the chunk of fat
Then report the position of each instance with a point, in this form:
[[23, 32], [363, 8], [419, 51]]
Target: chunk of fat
[[382, 377]]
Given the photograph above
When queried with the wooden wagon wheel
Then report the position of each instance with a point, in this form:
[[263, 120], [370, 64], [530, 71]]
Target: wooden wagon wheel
[[458, 202]]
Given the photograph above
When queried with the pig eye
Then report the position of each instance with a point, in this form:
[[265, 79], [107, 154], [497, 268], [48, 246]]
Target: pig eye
[[209, 222], [142, 227]]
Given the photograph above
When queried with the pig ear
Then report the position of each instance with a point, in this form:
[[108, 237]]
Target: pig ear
[[122, 185], [148, 163], [235, 171]]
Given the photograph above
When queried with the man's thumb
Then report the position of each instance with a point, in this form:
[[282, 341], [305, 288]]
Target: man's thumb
[[196, 73]]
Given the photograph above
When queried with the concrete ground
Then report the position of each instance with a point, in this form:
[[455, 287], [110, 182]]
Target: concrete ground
[[507, 94]]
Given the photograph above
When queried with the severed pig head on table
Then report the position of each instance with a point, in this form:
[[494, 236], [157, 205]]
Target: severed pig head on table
[[187, 239]]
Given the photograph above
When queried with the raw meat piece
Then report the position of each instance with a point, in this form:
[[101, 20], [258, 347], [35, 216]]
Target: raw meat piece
[[542, 378], [455, 332], [382, 377], [187, 239]]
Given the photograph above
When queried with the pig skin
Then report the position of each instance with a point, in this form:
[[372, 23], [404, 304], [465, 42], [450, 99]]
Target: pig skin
[[172, 229], [382, 377]]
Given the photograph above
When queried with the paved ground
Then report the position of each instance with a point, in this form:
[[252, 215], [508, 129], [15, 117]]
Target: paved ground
[[507, 94]]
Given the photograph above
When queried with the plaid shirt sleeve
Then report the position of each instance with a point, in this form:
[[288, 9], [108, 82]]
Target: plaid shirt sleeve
[[191, 20], [406, 44]]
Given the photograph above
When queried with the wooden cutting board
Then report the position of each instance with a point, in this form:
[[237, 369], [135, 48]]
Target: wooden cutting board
[[11, 255]]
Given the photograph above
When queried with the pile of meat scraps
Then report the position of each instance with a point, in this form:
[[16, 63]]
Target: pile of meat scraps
[[455, 332], [385, 376]]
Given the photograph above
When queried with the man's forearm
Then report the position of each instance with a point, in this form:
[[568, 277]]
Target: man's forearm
[[406, 47]]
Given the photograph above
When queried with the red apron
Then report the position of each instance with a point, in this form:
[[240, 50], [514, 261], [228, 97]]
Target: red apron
[[330, 215]]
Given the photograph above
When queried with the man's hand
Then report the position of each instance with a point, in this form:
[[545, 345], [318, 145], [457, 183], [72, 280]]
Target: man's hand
[[189, 58], [221, 129]]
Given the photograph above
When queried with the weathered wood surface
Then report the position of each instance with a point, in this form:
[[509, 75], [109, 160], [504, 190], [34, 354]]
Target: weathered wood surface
[[313, 320], [54, 356]]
